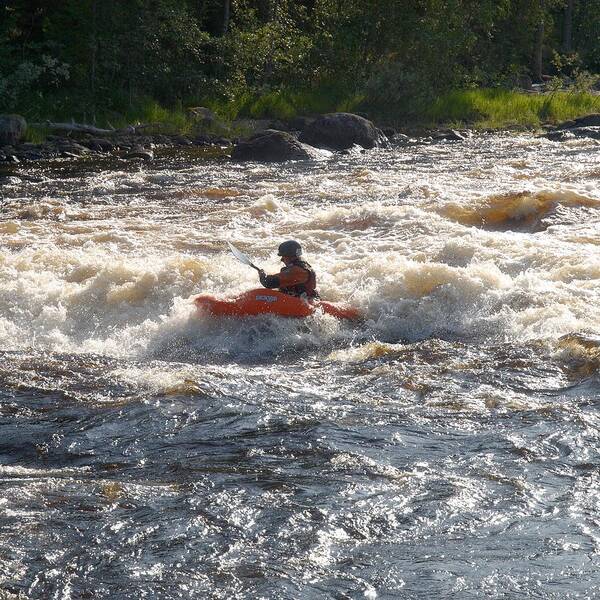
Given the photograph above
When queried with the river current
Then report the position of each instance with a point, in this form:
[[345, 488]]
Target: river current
[[445, 447]]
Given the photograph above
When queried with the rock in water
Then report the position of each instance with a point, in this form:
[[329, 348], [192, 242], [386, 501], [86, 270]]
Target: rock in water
[[273, 146], [562, 135], [12, 129], [592, 120], [559, 136], [450, 135], [340, 131], [139, 152]]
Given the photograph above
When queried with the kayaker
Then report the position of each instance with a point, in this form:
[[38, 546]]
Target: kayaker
[[297, 277]]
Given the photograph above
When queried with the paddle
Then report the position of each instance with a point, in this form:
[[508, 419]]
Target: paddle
[[242, 257]]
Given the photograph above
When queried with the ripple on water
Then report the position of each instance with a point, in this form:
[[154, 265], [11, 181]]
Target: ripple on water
[[445, 447]]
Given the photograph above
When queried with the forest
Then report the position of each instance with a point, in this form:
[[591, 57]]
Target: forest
[[96, 58]]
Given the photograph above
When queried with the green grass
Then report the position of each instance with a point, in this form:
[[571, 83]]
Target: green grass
[[171, 120], [495, 108], [36, 135], [285, 103], [480, 108]]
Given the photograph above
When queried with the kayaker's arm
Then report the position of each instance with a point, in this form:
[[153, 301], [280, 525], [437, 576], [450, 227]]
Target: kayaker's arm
[[268, 281]]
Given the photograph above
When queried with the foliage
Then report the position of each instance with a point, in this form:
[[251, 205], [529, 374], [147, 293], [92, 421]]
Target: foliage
[[111, 60]]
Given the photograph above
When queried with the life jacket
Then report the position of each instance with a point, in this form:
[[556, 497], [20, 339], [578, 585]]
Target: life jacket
[[294, 273]]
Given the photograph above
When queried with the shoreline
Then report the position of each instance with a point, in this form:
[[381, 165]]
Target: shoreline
[[458, 115]]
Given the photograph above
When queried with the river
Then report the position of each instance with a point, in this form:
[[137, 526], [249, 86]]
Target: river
[[445, 447]]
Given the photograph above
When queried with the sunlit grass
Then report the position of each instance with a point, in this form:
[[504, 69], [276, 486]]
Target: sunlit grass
[[487, 108], [160, 118]]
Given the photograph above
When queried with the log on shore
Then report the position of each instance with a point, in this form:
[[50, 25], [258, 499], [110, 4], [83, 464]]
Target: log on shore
[[74, 127]]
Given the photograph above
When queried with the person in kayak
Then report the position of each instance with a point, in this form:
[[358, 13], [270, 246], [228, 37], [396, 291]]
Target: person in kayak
[[296, 278]]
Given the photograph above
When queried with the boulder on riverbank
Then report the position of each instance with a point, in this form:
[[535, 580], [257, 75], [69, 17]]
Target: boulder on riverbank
[[587, 126], [592, 120], [12, 129], [340, 131], [273, 146], [561, 135]]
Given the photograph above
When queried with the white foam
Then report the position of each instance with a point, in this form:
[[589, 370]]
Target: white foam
[[404, 240]]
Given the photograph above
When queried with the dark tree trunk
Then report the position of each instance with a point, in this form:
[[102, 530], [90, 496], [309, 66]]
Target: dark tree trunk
[[94, 57], [568, 27], [213, 15], [226, 15], [539, 45], [265, 10]]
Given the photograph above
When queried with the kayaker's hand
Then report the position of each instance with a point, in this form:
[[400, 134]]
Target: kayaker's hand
[[262, 276]]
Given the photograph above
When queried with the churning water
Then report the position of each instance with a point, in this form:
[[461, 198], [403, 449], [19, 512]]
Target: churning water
[[445, 447]]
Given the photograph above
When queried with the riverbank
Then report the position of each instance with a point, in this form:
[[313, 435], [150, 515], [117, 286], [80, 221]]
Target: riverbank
[[482, 108], [222, 126]]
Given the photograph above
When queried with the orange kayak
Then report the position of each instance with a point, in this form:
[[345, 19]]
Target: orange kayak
[[271, 302]]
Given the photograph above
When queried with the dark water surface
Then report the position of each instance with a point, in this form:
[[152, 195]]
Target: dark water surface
[[446, 447]]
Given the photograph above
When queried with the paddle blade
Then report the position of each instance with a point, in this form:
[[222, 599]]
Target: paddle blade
[[240, 255]]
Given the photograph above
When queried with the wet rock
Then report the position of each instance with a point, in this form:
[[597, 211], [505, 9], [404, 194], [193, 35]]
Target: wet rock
[[450, 135], [300, 123], [99, 145], [586, 132], [146, 141], [339, 131], [93, 146], [181, 140], [592, 120], [202, 140], [72, 147], [222, 141], [389, 132], [12, 129], [401, 138], [30, 155], [559, 136], [565, 125], [78, 149], [49, 150], [161, 139], [273, 146], [142, 153], [355, 150], [279, 126]]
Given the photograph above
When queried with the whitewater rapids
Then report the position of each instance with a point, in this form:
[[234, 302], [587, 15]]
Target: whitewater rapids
[[446, 446]]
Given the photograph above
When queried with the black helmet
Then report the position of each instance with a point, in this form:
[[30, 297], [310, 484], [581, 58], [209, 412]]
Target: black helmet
[[290, 248]]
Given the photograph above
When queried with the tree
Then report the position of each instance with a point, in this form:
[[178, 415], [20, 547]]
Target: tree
[[539, 43], [568, 27]]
